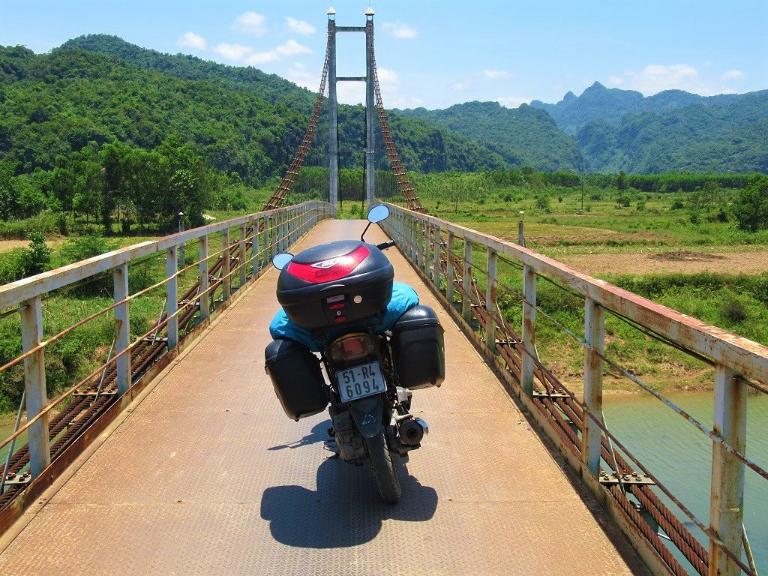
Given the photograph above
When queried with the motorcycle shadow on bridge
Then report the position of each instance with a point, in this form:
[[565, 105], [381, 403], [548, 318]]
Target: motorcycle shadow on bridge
[[345, 510]]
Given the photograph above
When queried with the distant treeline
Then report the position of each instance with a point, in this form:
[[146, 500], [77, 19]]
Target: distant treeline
[[643, 182], [672, 182]]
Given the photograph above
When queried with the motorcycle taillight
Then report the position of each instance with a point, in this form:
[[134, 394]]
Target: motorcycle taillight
[[331, 269], [352, 347]]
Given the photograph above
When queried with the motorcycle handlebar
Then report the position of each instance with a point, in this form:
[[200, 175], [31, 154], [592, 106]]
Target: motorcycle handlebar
[[385, 245]]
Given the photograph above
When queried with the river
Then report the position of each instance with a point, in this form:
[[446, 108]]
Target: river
[[681, 457], [678, 455]]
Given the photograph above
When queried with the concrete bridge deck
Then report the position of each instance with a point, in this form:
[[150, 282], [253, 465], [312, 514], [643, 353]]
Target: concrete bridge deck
[[206, 475]]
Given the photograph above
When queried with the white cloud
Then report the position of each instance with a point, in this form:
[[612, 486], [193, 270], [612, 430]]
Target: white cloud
[[251, 23], [513, 101], [299, 74], [258, 58], [386, 76], [246, 55], [300, 26], [233, 52], [192, 40], [497, 74], [351, 92], [655, 78], [291, 48], [462, 85], [732, 75], [398, 30]]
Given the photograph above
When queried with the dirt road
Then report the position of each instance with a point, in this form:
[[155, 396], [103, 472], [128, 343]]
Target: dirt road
[[686, 262]]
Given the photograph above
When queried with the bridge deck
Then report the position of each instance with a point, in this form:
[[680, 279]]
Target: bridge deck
[[207, 475]]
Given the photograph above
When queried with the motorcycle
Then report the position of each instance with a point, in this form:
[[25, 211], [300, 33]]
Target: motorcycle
[[376, 343]]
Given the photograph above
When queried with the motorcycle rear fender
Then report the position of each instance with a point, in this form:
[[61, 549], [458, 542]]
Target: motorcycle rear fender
[[368, 414]]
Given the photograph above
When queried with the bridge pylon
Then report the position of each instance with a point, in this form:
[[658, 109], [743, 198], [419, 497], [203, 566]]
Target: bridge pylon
[[370, 142]]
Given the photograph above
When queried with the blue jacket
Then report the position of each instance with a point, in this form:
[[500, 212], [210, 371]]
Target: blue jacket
[[403, 298]]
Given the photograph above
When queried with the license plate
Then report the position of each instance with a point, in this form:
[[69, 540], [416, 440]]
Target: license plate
[[360, 381]]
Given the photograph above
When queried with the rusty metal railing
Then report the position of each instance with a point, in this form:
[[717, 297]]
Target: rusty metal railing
[[445, 255], [59, 429]]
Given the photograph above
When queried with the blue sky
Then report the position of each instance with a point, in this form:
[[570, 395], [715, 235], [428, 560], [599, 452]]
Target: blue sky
[[437, 53]]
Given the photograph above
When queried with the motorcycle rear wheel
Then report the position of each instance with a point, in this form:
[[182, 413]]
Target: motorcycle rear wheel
[[383, 469]]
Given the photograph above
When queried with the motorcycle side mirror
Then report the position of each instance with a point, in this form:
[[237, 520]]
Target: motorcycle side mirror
[[378, 213], [282, 260], [375, 215]]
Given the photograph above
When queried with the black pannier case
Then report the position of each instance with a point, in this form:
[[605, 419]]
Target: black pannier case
[[296, 376], [319, 288], [419, 348]]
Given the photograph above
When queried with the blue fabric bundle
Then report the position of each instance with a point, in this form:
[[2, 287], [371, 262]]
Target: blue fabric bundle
[[403, 298]]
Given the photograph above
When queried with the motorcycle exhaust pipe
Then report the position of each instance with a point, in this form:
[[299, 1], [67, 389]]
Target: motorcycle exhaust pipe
[[411, 431]]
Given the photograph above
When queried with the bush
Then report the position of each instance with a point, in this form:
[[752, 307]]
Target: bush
[[751, 205], [22, 262], [83, 247], [734, 311]]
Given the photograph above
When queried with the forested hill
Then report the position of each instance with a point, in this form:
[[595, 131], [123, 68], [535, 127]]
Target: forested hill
[[240, 120], [422, 146], [573, 112], [523, 136], [696, 138], [271, 87]]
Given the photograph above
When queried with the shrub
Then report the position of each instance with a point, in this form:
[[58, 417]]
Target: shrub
[[751, 205], [734, 311]]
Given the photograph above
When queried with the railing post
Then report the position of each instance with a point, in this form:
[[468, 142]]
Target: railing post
[[490, 300], [412, 244], [529, 329], [205, 297], [449, 249], [436, 256], [273, 235], [34, 385], [172, 297], [727, 492], [466, 282], [594, 333], [241, 254], [226, 279], [122, 329], [256, 246]]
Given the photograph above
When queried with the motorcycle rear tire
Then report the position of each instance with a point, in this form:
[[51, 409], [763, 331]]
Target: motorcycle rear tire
[[383, 469]]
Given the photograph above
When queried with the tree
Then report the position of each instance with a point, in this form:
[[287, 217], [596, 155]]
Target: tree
[[751, 205], [621, 181]]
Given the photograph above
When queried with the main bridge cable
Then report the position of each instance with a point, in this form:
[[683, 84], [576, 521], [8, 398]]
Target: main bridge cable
[[278, 197], [394, 158]]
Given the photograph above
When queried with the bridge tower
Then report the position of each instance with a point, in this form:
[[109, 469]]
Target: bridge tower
[[370, 143]]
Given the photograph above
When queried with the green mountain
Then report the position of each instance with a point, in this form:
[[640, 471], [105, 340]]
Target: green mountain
[[524, 136], [697, 138], [611, 104], [239, 119], [422, 146]]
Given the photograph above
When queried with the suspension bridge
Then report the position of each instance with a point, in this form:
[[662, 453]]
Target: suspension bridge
[[173, 455]]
